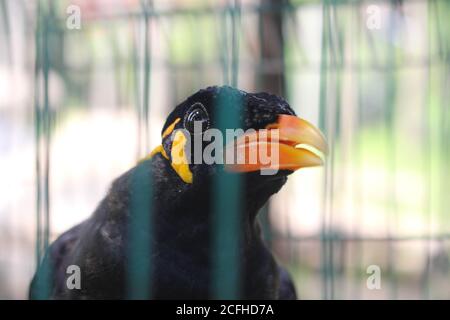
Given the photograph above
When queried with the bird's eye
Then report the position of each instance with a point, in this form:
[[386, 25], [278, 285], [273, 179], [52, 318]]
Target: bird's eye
[[196, 114]]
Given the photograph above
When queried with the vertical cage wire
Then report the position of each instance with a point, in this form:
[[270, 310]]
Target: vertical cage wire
[[141, 230], [227, 198], [43, 121]]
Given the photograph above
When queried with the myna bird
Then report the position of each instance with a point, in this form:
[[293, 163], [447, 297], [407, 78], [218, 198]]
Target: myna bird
[[181, 199]]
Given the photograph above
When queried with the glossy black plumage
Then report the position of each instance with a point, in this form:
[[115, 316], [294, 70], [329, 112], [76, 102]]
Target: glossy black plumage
[[181, 254]]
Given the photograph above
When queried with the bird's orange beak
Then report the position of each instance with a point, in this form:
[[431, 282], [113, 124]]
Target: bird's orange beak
[[291, 143]]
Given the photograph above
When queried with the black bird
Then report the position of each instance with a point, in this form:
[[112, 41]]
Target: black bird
[[181, 257]]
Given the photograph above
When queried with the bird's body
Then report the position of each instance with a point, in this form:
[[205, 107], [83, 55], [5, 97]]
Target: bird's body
[[181, 234], [182, 262]]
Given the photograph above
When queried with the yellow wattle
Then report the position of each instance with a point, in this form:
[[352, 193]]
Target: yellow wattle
[[179, 159]]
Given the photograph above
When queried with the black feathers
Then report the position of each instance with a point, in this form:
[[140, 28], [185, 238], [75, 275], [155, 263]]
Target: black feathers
[[181, 219]]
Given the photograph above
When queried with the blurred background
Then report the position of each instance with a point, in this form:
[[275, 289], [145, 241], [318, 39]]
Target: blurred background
[[85, 86]]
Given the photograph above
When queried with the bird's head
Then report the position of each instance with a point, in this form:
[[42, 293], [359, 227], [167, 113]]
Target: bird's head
[[266, 142]]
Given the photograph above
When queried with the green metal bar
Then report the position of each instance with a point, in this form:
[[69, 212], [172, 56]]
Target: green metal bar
[[139, 268], [227, 187], [141, 232], [227, 212], [43, 135], [227, 204]]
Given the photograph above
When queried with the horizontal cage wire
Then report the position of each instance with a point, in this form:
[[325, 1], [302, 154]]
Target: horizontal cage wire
[[81, 105]]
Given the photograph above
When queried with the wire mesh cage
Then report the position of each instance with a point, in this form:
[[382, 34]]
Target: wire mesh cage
[[86, 86]]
